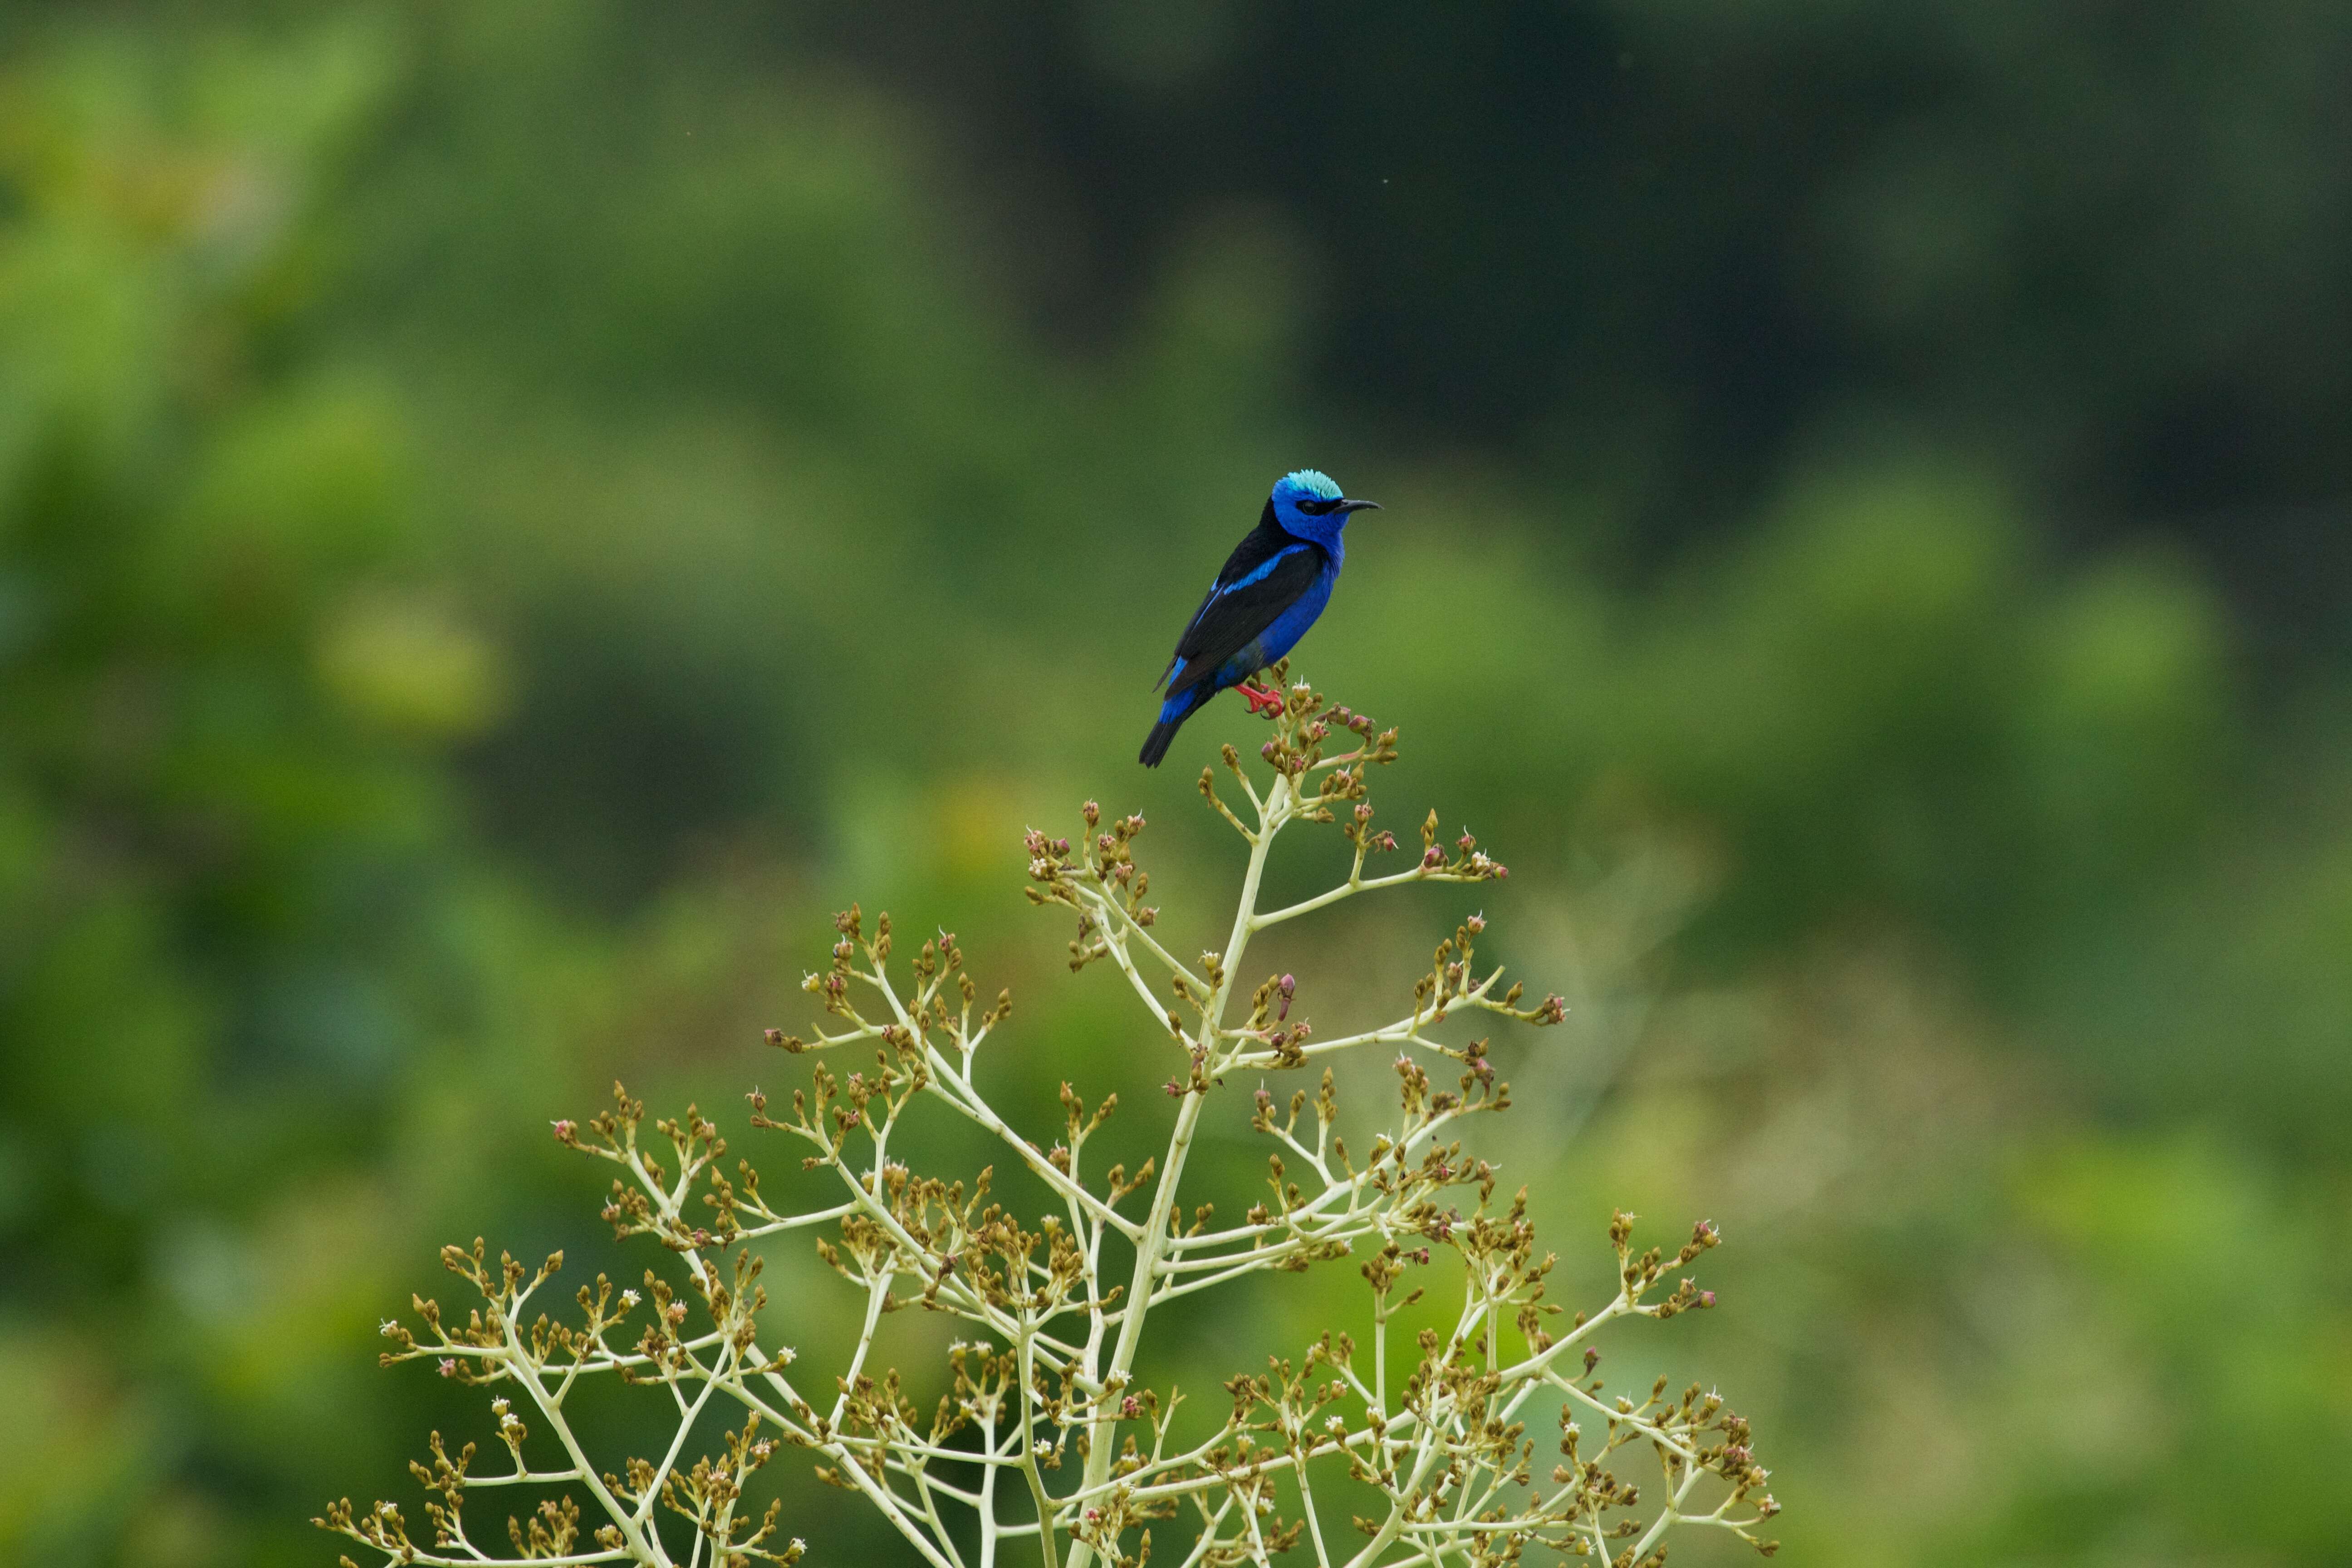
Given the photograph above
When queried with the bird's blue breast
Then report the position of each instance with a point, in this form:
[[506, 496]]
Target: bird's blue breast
[[1292, 624]]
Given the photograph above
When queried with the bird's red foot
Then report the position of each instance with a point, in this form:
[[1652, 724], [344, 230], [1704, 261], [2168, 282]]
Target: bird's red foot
[[1266, 702]]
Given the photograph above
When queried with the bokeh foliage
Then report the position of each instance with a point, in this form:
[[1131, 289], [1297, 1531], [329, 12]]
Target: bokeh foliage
[[506, 515]]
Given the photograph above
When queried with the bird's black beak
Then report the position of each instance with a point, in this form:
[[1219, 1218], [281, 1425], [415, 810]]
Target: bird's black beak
[[1347, 506]]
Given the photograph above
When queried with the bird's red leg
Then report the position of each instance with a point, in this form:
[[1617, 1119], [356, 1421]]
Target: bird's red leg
[[1266, 702]]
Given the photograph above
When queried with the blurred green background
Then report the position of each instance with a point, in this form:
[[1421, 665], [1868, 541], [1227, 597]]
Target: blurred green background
[[508, 514]]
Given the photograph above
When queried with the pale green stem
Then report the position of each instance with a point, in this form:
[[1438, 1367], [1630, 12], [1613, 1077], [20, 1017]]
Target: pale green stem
[[1314, 1519], [641, 1542], [987, 1511], [1048, 1547], [1152, 1245], [1667, 1515]]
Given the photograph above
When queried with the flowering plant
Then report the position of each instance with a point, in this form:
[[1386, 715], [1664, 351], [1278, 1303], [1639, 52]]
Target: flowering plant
[[1394, 1448]]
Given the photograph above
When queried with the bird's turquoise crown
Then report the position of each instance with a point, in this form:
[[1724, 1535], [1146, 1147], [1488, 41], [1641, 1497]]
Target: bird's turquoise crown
[[1314, 482]]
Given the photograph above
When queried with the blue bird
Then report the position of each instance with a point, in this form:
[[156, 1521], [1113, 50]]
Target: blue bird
[[1274, 583]]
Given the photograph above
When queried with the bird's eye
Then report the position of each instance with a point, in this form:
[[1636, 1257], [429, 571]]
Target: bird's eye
[[1317, 508]]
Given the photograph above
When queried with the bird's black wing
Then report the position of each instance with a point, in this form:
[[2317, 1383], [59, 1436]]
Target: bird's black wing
[[1266, 574], [1261, 544]]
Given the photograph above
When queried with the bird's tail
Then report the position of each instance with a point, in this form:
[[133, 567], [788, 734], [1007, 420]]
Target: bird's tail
[[1173, 715], [1155, 744]]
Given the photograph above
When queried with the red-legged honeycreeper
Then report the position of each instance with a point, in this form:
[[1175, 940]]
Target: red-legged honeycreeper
[[1274, 583]]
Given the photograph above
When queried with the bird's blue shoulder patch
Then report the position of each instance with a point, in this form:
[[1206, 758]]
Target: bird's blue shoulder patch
[[1314, 482], [1258, 573]]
